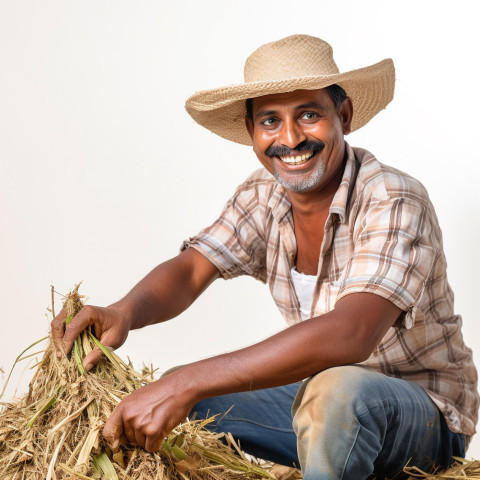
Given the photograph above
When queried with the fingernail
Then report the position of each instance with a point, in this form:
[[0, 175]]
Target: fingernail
[[88, 367]]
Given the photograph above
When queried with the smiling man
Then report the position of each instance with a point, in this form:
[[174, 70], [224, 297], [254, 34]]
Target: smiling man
[[372, 372], [287, 130]]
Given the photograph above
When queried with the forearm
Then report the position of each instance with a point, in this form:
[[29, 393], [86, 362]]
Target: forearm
[[337, 338], [168, 289], [284, 358], [346, 335]]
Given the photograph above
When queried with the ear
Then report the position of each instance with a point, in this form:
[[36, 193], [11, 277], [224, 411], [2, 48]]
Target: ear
[[346, 114], [249, 125]]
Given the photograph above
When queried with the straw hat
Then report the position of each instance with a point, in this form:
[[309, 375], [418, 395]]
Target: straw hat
[[298, 62]]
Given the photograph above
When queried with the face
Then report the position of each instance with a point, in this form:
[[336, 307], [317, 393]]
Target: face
[[299, 137]]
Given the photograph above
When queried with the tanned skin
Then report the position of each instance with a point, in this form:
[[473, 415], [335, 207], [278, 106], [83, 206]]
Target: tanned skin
[[346, 335]]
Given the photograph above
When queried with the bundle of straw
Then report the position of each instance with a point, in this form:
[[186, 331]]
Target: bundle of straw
[[462, 469], [54, 432]]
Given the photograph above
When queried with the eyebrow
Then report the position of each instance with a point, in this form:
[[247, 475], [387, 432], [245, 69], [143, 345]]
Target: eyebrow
[[316, 105], [303, 106], [265, 113]]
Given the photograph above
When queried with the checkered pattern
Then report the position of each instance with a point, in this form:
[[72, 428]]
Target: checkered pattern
[[381, 236]]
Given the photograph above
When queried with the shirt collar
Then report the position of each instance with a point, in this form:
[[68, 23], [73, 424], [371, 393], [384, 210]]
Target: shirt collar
[[344, 191]]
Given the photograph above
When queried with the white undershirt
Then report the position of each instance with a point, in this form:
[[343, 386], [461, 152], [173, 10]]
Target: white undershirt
[[304, 287]]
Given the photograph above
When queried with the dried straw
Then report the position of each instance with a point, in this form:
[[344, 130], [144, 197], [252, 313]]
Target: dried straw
[[464, 469], [54, 432]]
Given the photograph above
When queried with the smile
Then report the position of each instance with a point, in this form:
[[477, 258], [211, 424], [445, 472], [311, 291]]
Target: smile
[[297, 159]]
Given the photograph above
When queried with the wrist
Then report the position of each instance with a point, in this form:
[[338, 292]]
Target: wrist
[[124, 312], [211, 377], [188, 384]]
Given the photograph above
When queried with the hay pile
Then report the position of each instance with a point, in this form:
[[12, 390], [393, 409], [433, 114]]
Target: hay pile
[[54, 432], [466, 470]]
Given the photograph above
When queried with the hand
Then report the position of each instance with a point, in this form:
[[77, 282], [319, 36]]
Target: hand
[[111, 328], [148, 415]]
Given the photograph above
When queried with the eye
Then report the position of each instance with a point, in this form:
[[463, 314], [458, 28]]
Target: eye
[[309, 116], [269, 122]]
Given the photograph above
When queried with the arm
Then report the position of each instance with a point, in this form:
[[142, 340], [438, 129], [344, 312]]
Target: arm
[[164, 293], [348, 334]]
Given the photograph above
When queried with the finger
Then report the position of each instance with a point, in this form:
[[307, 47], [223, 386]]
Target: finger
[[113, 431], [116, 444], [92, 359], [153, 443], [85, 317], [130, 434], [58, 329], [139, 438]]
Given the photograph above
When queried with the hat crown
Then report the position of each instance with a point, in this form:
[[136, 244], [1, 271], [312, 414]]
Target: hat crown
[[291, 57]]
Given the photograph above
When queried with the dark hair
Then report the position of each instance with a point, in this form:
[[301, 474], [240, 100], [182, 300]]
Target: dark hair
[[337, 94]]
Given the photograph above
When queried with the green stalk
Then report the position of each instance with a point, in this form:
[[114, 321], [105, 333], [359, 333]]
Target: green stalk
[[77, 349], [78, 355], [172, 446], [104, 466], [18, 359], [48, 403], [105, 351]]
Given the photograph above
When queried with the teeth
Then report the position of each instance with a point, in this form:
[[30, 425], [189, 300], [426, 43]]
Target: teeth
[[297, 160]]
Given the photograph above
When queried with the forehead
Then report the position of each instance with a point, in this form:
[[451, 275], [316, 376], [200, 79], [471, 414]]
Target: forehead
[[293, 99]]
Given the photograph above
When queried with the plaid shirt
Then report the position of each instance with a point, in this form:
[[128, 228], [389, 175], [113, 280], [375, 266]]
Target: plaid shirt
[[381, 236]]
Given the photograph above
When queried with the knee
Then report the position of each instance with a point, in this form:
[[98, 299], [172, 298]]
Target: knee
[[336, 392]]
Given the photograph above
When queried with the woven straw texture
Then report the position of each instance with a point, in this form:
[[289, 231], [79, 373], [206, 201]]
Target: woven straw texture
[[298, 62]]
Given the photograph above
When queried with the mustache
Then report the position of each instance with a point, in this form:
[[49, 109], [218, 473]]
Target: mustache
[[305, 146]]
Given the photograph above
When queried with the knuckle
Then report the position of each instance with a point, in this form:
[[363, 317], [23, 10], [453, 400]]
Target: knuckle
[[169, 426], [69, 333], [57, 329], [84, 317], [150, 431], [58, 322], [129, 419], [88, 311]]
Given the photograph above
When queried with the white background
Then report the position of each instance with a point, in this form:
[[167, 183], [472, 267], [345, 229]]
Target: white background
[[103, 174]]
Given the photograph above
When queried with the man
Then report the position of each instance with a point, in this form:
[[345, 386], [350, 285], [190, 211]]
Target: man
[[352, 252]]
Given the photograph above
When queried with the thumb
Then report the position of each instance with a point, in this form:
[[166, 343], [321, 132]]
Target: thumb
[[92, 359], [113, 431]]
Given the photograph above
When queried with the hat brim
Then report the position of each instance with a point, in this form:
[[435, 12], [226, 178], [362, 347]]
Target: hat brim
[[222, 110]]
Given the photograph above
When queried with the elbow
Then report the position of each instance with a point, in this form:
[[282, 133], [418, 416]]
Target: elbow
[[360, 347], [363, 355]]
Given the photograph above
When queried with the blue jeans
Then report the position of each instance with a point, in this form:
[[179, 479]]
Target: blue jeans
[[344, 423]]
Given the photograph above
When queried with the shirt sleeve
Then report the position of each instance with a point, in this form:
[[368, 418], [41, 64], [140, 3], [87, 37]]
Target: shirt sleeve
[[393, 254], [234, 242]]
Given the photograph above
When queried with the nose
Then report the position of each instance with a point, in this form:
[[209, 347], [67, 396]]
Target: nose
[[291, 133]]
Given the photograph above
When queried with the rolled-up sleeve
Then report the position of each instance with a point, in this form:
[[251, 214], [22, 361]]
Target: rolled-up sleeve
[[234, 243]]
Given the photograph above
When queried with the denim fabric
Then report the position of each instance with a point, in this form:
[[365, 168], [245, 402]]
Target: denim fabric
[[351, 422], [260, 420]]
